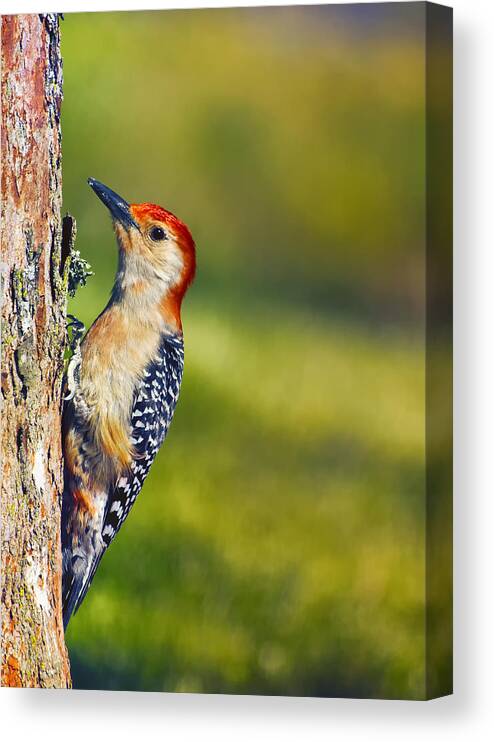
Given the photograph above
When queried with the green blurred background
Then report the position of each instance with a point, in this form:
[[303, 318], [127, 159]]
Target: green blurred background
[[278, 545]]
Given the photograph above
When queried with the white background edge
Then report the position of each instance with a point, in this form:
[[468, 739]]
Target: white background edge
[[86, 715]]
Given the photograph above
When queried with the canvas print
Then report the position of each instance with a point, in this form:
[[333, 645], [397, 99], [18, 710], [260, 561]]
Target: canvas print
[[226, 350]]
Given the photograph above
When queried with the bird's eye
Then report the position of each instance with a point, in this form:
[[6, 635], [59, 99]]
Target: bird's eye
[[157, 234]]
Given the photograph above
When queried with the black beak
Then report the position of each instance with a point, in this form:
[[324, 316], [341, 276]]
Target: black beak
[[117, 206]]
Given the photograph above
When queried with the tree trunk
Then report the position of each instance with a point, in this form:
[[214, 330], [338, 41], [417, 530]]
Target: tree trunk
[[33, 339]]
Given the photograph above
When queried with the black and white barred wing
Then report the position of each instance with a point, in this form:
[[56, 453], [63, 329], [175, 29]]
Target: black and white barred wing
[[154, 403]]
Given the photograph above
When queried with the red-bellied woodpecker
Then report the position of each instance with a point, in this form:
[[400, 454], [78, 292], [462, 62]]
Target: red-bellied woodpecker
[[124, 384]]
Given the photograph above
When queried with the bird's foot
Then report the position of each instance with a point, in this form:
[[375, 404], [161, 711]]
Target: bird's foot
[[75, 331]]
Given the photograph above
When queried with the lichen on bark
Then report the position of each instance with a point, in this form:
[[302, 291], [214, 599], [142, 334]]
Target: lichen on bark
[[33, 337]]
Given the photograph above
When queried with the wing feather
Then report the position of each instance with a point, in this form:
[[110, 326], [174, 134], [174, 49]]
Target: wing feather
[[154, 403]]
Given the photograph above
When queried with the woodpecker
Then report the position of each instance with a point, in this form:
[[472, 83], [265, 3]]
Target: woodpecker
[[124, 383]]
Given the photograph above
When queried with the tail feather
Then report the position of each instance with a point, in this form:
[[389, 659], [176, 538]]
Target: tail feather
[[77, 578], [82, 549]]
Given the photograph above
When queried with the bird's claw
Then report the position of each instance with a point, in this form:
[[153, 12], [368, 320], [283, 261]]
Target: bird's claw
[[72, 377]]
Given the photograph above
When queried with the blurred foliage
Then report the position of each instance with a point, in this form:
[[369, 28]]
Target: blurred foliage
[[278, 545]]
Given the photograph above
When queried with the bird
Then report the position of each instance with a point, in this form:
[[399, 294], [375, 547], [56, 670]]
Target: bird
[[123, 384]]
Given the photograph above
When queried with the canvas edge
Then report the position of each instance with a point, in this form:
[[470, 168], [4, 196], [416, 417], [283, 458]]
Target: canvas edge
[[439, 351]]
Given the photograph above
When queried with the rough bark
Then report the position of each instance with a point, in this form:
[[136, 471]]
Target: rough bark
[[33, 342]]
